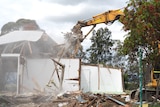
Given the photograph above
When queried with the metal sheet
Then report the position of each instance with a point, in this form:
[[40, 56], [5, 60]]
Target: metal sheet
[[17, 36]]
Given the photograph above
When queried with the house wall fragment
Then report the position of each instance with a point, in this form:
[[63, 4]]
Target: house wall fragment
[[38, 73], [101, 80]]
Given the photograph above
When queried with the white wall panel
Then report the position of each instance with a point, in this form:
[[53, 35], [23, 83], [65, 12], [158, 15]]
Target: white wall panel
[[108, 80], [38, 73]]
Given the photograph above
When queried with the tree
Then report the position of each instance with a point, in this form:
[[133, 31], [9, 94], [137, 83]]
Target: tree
[[21, 24], [100, 49], [118, 59], [142, 23]]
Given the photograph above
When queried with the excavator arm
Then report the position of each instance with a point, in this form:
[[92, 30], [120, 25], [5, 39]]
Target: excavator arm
[[76, 36], [106, 17]]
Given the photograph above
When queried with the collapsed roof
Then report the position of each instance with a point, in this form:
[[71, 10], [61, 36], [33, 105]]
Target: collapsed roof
[[28, 43]]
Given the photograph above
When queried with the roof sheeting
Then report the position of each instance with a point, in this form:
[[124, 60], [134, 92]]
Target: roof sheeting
[[17, 36]]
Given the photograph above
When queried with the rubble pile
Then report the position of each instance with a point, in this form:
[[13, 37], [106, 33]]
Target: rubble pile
[[23, 100], [69, 99], [92, 100]]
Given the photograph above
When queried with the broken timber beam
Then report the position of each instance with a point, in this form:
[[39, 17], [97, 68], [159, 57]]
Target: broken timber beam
[[117, 101], [58, 63]]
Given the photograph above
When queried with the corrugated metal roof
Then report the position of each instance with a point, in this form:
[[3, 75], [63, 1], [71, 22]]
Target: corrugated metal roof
[[17, 36]]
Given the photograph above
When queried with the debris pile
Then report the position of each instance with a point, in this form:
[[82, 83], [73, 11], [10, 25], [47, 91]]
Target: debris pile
[[91, 100], [27, 100], [69, 99]]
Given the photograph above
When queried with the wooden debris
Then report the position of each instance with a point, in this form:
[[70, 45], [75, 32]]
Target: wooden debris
[[70, 99]]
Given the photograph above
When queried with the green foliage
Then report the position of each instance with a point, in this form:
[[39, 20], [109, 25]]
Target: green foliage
[[104, 50], [100, 49], [118, 59], [142, 21]]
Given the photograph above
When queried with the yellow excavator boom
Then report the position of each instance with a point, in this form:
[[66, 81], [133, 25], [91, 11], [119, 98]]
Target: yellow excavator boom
[[106, 17]]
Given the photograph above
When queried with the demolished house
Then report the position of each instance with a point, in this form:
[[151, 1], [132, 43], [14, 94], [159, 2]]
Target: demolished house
[[29, 64], [17, 48]]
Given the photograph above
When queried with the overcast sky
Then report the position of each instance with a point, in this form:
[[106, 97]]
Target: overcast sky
[[57, 16]]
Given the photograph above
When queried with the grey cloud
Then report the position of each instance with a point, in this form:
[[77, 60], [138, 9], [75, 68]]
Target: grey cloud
[[65, 2], [113, 3], [99, 3], [92, 8], [85, 14]]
